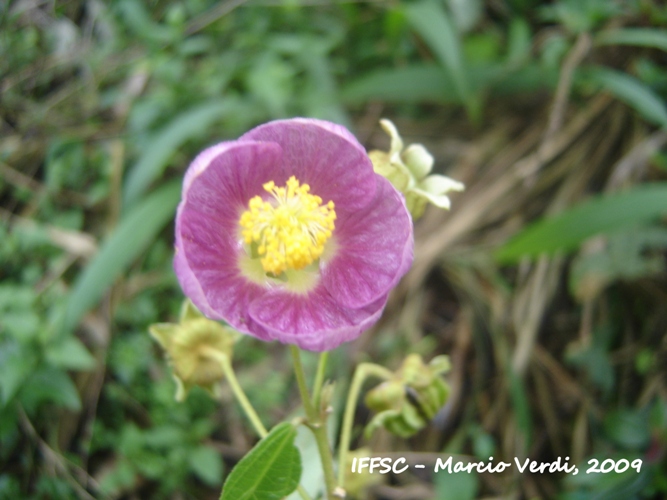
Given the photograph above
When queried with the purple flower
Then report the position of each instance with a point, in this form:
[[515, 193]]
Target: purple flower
[[287, 234]]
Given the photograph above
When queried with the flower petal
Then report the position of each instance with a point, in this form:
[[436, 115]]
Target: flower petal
[[222, 179], [316, 321], [325, 156], [374, 250], [216, 190], [190, 284], [212, 278]]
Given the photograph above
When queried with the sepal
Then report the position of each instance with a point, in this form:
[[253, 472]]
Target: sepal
[[193, 347], [408, 170], [406, 403]]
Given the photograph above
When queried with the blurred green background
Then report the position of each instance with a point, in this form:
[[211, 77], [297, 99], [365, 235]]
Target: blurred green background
[[545, 284]]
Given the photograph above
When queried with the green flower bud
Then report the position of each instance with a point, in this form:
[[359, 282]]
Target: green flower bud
[[194, 346], [407, 169], [406, 403]]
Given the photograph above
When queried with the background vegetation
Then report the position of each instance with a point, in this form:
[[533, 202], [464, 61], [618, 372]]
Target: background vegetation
[[545, 284]]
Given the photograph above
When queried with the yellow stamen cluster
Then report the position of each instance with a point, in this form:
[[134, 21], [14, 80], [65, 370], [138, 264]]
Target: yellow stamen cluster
[[290, 229]]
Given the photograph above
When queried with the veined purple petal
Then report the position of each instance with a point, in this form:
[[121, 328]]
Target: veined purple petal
[[374, 249], [216, 190], [190, 285], [209, 261], [316, 322], [325, 156], [223, 178]]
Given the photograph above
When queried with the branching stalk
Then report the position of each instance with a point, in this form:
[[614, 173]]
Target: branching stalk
[[316, 423], [240, 396], [363, 371]]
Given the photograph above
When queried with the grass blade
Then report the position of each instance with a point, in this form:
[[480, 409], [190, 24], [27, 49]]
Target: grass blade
[[132, 236], [640, 37], [633, 92], [417, 83], [434, 25], [602, 214], [188, 125]]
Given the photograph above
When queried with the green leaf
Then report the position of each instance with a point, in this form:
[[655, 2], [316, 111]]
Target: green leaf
[[271, 80], [312, 476], [633, 92], [594, 361], [206, 463], [70, 354], [602, 214], [641, 37], [629, 429], [629, 254], [434, 25], [191, 124], [134, 233], [152, 464], [20, 324], [270, 471], [49, 385], [519, 42], [163, 436], [139, 21], [122, 476], [459, 486], [16, 365], [414, 83], [466, 13]]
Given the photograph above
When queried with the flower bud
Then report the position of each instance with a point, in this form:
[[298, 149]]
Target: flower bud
[[407, 402], [407, 169], [193, 347]]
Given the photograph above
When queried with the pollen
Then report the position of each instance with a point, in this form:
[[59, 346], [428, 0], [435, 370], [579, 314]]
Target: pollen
[[290, 228]]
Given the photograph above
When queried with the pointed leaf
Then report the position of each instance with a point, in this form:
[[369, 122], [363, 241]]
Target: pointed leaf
[[640, 37], [602, 214], [49, 384], [434, 25], [519, 41], [16, 365], [134, 233], [312, 477], [206, 463], [70, 354], [413, 83], [270, 471], [633, 92], [466, 13], [188, 125]]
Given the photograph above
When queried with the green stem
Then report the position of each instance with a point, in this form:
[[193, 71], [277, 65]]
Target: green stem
[[319, 378], [363, 371], [316, 424], [250, 412], [238, 392]]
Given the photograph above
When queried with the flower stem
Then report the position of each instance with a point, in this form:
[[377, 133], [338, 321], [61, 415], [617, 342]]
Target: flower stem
[[250, 412], [363, 371], [319, 378], [316, 423]]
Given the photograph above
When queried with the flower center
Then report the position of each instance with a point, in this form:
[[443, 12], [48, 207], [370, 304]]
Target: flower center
[[290, 229]]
